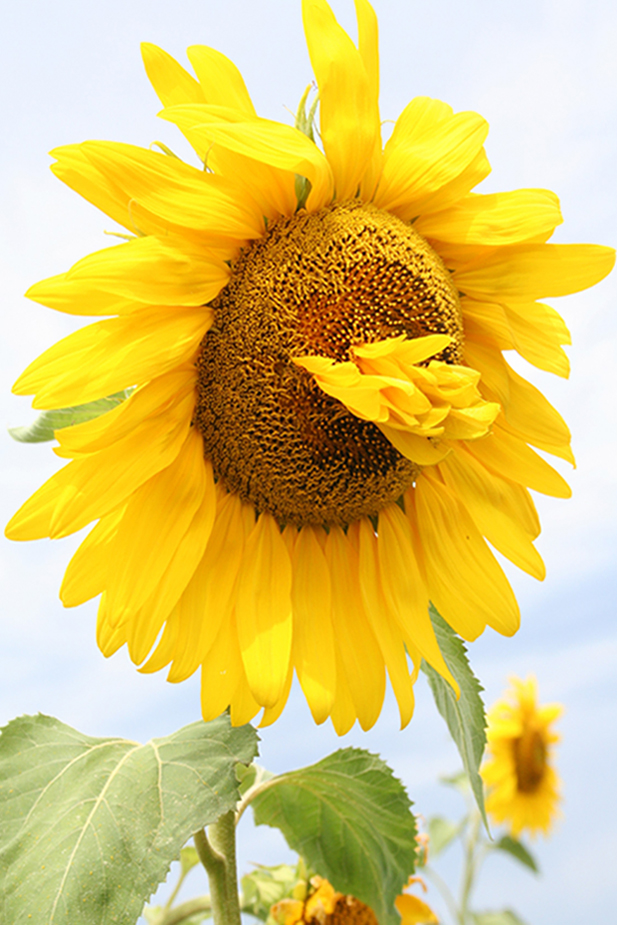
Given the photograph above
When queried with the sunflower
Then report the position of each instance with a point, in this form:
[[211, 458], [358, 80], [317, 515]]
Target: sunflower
[[523, 786], [322, 429]]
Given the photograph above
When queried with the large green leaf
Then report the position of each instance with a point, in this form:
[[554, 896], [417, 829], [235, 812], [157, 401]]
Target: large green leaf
[[350, 819], [465, 716], [48, 422], [518, 850], [91, 826]]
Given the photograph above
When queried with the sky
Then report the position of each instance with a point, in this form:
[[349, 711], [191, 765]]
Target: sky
[[544, 74]]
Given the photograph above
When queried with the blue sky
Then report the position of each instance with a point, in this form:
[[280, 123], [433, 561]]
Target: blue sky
[[544, 74]]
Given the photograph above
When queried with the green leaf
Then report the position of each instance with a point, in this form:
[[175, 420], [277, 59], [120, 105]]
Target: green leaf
[[48, 422], [465, 716], [265, 886], [516, 848], [91, 826], [505, 917], [440, 833], [350, 819]]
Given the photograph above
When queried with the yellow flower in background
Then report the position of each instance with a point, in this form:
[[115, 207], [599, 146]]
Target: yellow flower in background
[[522, 784], [323, 429]]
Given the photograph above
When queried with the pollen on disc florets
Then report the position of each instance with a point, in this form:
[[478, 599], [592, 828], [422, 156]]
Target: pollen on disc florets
[[316, 283]]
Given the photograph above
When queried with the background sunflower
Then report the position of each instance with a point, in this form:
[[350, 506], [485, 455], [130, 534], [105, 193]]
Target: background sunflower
[[541, 77]]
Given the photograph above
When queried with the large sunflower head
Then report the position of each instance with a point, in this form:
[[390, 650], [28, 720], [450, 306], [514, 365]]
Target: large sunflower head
[[523, 786], [322, 432]]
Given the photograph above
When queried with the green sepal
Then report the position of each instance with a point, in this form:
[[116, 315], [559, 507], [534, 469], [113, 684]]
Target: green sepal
[[465, 717], [44, 427]]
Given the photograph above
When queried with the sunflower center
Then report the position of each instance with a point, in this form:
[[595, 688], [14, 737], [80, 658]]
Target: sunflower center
[[316, 283], [529, 761]]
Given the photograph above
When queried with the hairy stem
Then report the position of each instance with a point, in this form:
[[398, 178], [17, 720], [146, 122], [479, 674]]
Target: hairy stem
[[218, 855]]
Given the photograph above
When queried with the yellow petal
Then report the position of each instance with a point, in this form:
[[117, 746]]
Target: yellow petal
[[108, 356], [502, 510], [86, 573], [158, 271], [524, 272], [465, 582], [429, 148], [220, 79], [313, 637], [263, 611], [368, 46], [90, 488], [484, 320], [243, 705], [451, 192], [271, 714], [221, 672], [272, 143], [146, 623], [210, 596], [78, 298], [156, 397], [80, 174], [537, 332], [381, 620], [509, 455], [494, 219], [524, 407], [171, 82], [360, 654], [343, 714], [175, 191], [156, 518], [349, 117], [404, 588]]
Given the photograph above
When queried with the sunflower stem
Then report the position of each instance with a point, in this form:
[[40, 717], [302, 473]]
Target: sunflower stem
[[470, 867], [217, 853]]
